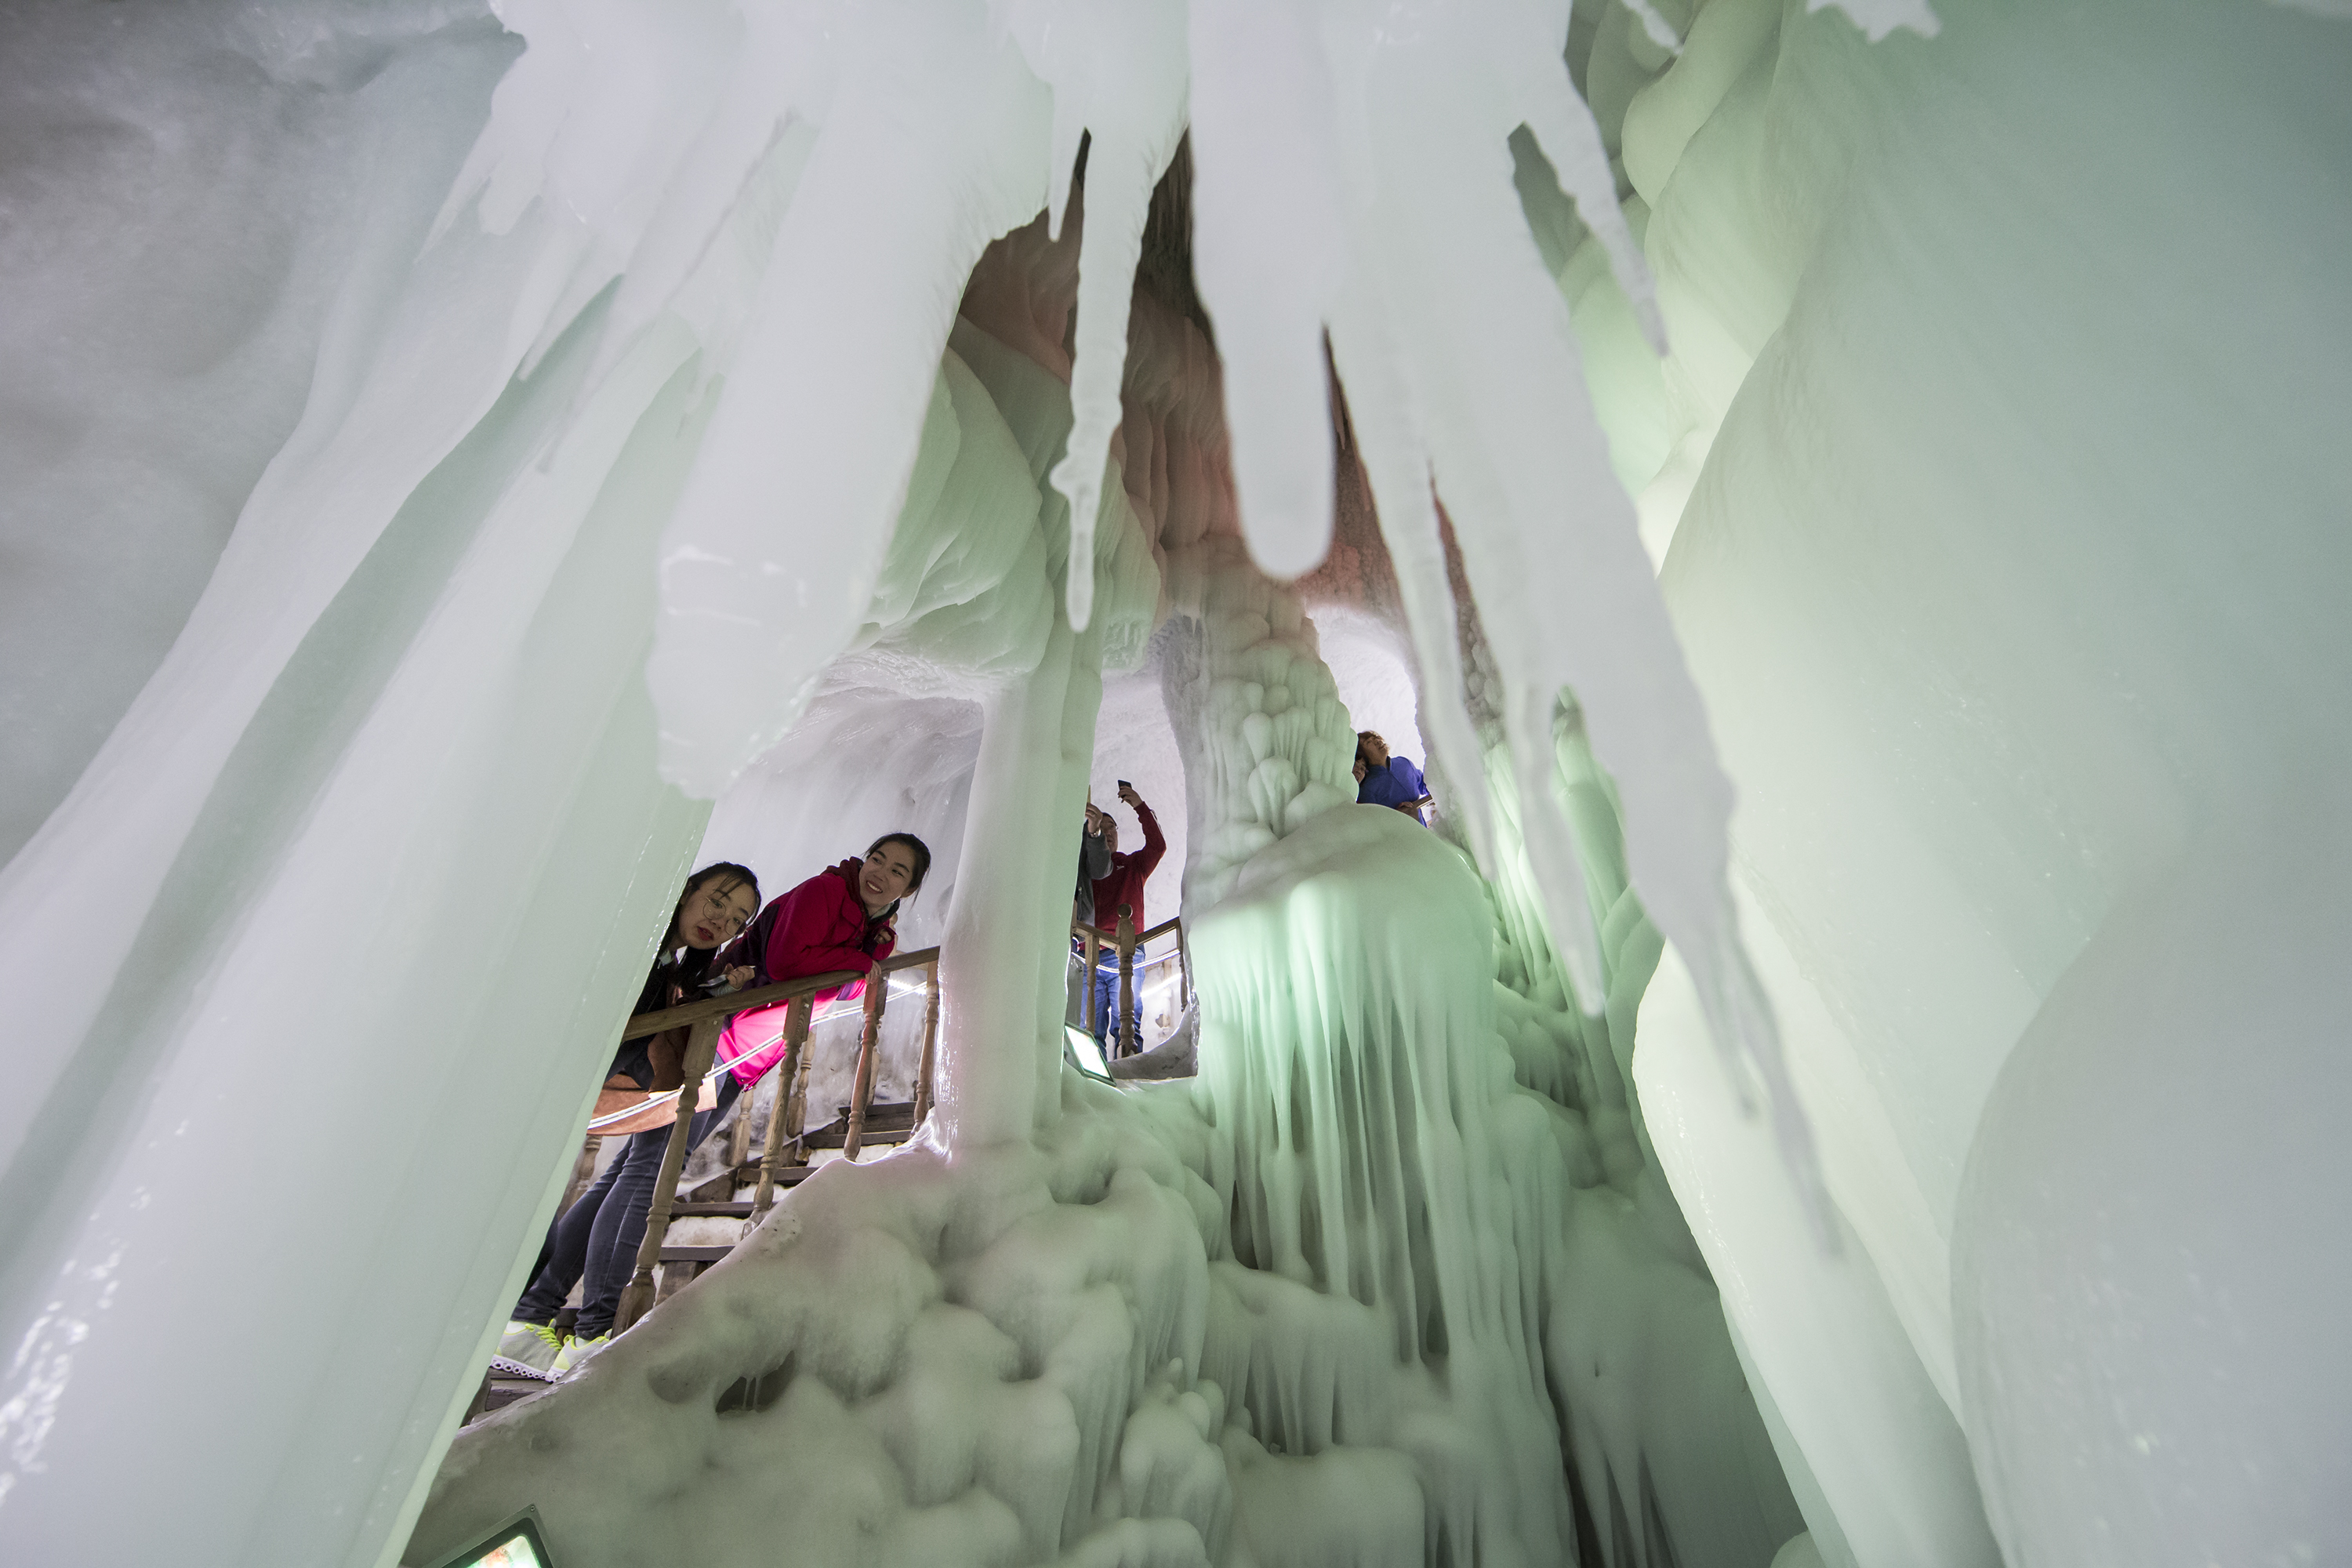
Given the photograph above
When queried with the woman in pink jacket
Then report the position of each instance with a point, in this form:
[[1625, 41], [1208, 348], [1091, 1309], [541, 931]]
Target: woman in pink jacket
[[842, 918]]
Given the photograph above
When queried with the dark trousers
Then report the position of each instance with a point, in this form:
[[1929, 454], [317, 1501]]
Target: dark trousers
[[594, 1243]]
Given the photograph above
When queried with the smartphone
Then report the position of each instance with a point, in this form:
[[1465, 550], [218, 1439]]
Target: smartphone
[[1124, 784]]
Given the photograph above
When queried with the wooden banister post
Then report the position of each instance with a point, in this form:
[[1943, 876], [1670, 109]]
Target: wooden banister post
[[796, 1018], [1125, 1047], [796, 1111], [738, 1139], [877, 990], [701, 1048], [930, 1041]]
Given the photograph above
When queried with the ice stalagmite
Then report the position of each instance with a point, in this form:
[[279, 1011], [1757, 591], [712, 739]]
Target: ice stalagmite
[[1268, 742]]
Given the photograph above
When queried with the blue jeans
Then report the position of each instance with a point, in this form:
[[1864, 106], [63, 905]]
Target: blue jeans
[[597, 1238], [1107, 999]]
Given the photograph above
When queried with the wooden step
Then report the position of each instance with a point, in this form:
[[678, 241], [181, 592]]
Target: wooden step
[[694, 1254], [738, 1208], [887, 1122]]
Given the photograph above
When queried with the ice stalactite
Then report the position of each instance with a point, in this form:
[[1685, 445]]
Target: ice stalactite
[[1424, 275], [1119, 76]]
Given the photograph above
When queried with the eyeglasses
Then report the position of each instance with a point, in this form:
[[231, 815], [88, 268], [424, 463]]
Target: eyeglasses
[[728, 922]]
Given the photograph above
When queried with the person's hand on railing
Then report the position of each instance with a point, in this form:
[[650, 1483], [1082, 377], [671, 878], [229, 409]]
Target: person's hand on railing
[[740, 975]]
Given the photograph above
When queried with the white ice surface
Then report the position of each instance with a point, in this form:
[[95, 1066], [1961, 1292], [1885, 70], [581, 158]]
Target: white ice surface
[[1993, 473], [1981, 709]]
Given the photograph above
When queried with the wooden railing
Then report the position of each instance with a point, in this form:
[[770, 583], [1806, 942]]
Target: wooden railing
[[708, 1019], [1126, 940]]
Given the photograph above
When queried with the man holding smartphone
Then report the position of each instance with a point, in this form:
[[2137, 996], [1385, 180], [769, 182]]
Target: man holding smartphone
[[1122, 885]]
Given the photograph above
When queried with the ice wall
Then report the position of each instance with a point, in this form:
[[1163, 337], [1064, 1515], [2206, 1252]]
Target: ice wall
[[383, 842], [1996, 395], [184, 192]]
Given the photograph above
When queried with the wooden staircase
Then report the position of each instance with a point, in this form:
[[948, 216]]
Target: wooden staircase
[[887, 1122], [663, 1269]]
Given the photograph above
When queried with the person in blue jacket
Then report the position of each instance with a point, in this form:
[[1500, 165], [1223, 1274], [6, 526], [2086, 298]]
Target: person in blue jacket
[[1385, 780]]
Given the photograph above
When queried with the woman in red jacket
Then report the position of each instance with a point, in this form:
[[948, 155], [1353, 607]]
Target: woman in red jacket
[[840, 918]]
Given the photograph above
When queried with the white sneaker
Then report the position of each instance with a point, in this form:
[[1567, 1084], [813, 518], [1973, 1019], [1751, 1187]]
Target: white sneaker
[[527, 1350], [574, 1356]]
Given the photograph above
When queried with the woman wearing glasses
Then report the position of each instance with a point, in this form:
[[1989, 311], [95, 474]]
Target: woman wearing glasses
[[597, 1238]]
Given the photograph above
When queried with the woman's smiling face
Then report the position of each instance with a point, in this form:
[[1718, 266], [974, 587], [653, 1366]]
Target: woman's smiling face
[[888, 871]]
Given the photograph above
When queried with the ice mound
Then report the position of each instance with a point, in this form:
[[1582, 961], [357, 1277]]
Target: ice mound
[[905, 1364], [1354, 1298]]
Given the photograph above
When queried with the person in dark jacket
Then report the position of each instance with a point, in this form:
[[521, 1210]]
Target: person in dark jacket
[[1123, 885], [1094, 862], [842, 918], [597, 1238]]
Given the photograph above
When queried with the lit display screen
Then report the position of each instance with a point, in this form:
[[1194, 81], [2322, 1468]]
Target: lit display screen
[[514, 1544]]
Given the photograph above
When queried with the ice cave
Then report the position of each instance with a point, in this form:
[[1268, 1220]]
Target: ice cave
[[1840, 500]]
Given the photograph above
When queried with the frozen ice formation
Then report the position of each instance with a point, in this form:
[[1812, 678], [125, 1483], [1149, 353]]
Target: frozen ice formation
[[1357, 1297], [463, 462]]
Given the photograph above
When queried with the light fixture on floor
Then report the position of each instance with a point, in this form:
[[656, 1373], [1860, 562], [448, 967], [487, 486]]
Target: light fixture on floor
[[1085, 1054], [515, 1543]]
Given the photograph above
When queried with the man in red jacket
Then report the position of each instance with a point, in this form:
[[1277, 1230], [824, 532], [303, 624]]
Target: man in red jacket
[[1124, 885]]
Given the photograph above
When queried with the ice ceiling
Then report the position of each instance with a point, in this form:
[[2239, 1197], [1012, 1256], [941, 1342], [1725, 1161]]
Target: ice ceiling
[[1851, 499]]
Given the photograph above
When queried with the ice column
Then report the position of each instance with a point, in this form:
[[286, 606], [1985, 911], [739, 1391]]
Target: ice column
[[1267, 745], [1002, 962]]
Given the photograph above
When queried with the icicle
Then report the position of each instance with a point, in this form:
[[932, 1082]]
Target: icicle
[[1120, 179], [1564, 128], [1266, 183], [1548, 537], [1397, 470], [1551, 845], [836, 364], [1118, 71]]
